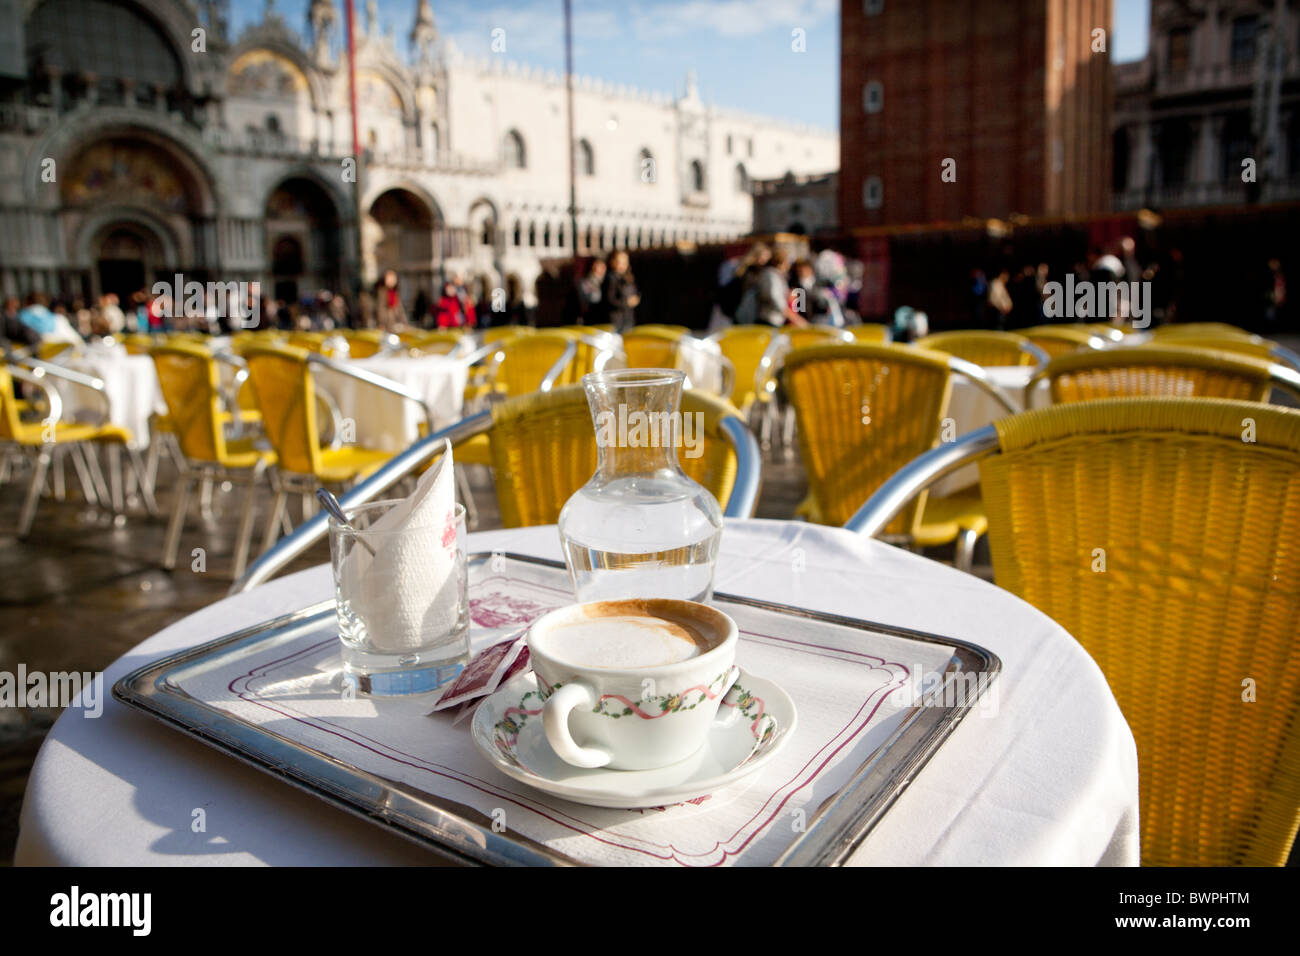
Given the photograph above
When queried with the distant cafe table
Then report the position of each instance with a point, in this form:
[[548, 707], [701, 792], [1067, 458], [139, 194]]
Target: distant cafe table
[[130, 385], [387, 421], [1047, 777], [970, 407]]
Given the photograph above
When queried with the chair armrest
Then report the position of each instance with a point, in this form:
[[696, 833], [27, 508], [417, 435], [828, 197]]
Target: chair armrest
[[52, 397], [917, 475]]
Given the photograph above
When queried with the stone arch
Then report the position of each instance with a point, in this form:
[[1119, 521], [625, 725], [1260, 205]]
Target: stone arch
[[67, 140], [175, 21]]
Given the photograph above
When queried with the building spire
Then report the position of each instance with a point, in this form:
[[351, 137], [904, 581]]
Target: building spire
[[424, 33]]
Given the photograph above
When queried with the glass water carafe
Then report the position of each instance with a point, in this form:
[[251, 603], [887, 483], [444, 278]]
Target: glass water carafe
[[640, 527]]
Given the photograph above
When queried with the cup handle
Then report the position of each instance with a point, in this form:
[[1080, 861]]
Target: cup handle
[[555, 721], [727, 716]]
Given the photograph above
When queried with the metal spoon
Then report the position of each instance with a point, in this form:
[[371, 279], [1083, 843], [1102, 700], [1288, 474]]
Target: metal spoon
[[331, 504]]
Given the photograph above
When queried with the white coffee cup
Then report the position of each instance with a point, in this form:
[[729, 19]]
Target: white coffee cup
[[632, 684]]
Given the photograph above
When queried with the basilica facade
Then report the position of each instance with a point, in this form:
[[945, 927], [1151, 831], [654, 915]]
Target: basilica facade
[[140, 139]]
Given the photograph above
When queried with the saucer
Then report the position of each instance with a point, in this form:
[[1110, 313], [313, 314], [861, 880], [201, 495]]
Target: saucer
[[754, 722]]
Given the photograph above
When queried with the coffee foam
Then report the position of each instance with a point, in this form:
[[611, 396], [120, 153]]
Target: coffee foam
[[631, 634]]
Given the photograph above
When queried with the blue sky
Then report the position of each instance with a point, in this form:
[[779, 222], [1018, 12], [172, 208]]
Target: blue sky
[[741, 50]]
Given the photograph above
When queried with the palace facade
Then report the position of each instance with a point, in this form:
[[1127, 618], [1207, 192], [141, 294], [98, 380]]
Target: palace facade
[[138, 139]]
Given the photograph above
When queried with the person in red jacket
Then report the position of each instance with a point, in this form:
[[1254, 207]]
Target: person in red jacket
[[455, 309]]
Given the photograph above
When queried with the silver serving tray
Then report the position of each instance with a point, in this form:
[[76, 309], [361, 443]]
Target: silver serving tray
[[462, 834]]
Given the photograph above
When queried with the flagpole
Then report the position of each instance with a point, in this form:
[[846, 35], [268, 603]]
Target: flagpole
[[568, 84], [356, 153]]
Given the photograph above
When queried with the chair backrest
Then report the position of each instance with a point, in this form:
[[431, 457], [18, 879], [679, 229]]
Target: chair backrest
[[1154, 370], [864, 411], [648, 346], [286, 394], [48, 350], [984, 348], [804, 336], [363, 343], [594, 349], [526, 359], [1217, 329], [871, 332], [745, 347], [501, 333], [544, 449], [434, 343], [1058, 340], [1165, 543], [1251, 345], [190, 382], [10, 424]]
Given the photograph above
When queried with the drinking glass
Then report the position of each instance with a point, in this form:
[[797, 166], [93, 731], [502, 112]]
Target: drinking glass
[[403, 602]]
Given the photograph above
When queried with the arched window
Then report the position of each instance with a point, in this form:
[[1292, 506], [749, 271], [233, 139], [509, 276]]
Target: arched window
[[273, 124], [488, 236], [742, 178], [518, 236], [600, 238], [514, 155], [646, 167], [586, 241], [434, 140], [532, 234], [546, 235], [697, 176], [559, 235], [586, 159]]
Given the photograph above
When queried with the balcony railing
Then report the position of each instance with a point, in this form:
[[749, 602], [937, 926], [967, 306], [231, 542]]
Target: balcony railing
[[1218, 193]]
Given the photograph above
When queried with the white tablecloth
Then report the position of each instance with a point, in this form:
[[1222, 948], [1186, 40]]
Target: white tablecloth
[[1050, 778], [384, 420], [130, 384], [970, 407]]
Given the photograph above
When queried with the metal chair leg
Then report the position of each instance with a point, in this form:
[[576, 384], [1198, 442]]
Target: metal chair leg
[[964, 557], [174, 527], [78, 455], [145, 489], [116, 495], [60, 489], [273, 525], [205, 498], [466, 496], [245, 536], [28, 513], [97, 473]]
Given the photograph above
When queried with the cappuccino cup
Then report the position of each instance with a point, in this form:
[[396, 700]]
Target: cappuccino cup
[[632, 684]]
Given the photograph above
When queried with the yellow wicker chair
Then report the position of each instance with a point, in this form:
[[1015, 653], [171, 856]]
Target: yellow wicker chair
[[521, 365], [1156, 370], [46, 439], [751, 351], [544, 449], [984, 348], [1160, 532], [189, 379], [1199, 593], [647, 346], [870, 332], [1199, 329], [864, 411], [1058, 340], [500, 333], [286, 395], [441, 342], [801, 337]]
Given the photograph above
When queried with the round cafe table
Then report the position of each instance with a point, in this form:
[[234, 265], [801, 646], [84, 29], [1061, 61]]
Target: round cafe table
[[1049, 778]]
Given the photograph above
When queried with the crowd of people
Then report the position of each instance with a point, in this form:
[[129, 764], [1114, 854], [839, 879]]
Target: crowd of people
[[765, 285]]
